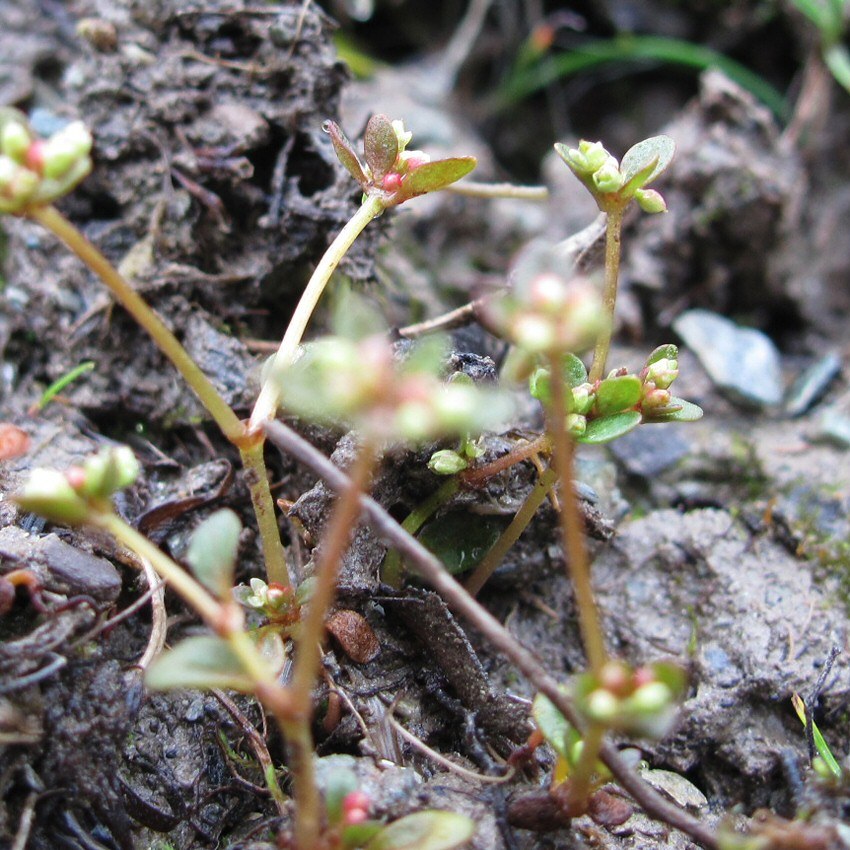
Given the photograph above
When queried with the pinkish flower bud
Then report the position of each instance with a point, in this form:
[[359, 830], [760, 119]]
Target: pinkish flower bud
[[391, 182]]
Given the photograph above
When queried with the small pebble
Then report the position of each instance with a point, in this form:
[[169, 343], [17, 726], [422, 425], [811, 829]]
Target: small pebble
[[833, 427], [811, 384], [742, 362]]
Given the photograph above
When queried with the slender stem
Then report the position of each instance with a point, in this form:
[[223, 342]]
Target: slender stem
[[308, 660], [194, 593], [512, 533], [582, 773], [224, 618], [269, 398], [471, 189], [457, 318], [50, 218], [391, 571], [609, 296], [498, 636], [572, 526], [520, 452], [257, 480]]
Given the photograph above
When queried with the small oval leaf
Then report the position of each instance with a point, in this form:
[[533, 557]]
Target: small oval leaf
[[429, 830], [678, 410], [380, 144], [663, 352], [460, 540], [201, 662], [617, 394], [552, 724], [432, 176], [345, 153], [610, 427], [213, 549], [637, 158]]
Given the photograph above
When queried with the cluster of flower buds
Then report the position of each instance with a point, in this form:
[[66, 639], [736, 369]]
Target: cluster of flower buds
[[279, 604], [34, 171], [613, 184], [390, 171], [70, 497], [360, 383], [453, 461], [638, 701], [662, 368], [545, 313]]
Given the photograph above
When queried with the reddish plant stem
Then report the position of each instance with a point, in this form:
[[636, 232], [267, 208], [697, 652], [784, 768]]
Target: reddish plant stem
[[465, 605], [572, 526], [308, 821]]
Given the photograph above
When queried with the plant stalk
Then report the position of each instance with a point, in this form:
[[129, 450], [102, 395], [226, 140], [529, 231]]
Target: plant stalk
[[256, 477], [391, 572], [512, 533], [308, 659], [572, 526], [499, 637], [50, 218], [225, 618], [580, 779], [269, 397], [613, 235]]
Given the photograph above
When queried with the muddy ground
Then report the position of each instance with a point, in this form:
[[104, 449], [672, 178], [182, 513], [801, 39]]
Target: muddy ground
[[724, 544]]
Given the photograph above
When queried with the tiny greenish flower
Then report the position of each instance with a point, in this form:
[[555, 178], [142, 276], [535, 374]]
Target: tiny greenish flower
[[35, 172], [447, 462], [662, 373], [360, 384], [546, 313], [48, 493], [105, 473], [390, 172], [583, 398], [608, 178], [15, 141], [576, 424], [614, 184], [650, 201]]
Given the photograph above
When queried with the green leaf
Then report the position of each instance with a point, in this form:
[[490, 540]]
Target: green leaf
[[198, 662], [552, 724], [380, 144], [359, 834], [820, 742], [617, 394], [575, 372], [641, 156], [610, 427], [663, 352], [460, 539], [678, 410], [539, 385], [428, 830], [213, 549], [432, 176], [345, 152], [339, 783]]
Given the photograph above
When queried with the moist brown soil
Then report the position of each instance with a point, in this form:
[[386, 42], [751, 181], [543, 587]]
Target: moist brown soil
[[722, 544]]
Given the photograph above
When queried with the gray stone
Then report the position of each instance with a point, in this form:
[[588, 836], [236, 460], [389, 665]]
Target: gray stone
[[811, 384], [742, 362], [647, 452], [834, 427]]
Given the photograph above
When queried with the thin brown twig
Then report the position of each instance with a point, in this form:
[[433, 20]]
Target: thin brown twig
[[457, 318], [463, 604]]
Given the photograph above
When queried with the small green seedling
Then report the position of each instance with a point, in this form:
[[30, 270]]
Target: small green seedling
[[824, 763]]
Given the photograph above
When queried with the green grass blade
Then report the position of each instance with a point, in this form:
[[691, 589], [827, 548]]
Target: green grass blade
[[639, 48], [57, 386], [820, 743]]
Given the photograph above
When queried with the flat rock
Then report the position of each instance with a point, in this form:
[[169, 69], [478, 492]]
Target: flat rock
[[742, 362]]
